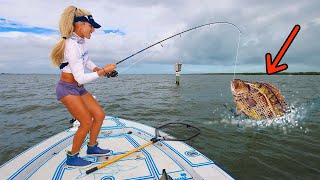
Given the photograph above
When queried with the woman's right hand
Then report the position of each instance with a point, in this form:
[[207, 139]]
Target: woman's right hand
[[109, 68]]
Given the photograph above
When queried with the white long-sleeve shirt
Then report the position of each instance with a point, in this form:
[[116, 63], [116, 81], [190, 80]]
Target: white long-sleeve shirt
[[76, 54]]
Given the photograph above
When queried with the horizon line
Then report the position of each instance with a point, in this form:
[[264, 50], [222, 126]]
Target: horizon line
[[227, 73]]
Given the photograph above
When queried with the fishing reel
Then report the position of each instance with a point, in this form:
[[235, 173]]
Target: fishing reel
[[114, 73]]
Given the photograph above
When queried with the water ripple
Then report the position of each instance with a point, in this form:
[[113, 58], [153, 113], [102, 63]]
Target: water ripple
[[285, 148]]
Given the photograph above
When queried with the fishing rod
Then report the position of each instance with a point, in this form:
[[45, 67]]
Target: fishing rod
[[194, 28]]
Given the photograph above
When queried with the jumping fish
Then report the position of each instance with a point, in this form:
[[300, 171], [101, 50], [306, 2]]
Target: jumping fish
[[258, 100]]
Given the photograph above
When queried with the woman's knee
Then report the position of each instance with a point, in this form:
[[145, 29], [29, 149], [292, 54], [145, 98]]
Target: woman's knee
[[99, 116], [86, 124]]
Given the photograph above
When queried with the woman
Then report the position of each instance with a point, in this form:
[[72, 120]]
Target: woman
[[71, 55]]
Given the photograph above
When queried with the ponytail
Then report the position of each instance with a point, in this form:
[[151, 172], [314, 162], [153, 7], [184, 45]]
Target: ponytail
[[66, 28]]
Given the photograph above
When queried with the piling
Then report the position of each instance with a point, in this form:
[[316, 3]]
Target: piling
[[177, 68]]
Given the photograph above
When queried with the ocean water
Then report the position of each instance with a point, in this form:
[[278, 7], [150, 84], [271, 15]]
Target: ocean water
[[287, 148]]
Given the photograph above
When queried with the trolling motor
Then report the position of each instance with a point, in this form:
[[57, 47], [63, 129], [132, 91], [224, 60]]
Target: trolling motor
[[75, 124], [72, 120]]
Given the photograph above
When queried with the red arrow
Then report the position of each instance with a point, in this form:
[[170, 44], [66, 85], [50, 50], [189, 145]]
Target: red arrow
[[273, 67]]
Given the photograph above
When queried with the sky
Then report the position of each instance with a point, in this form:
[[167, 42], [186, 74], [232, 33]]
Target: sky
[[29, 30]]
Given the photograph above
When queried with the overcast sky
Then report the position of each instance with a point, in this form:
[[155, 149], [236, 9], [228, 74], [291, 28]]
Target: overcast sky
[[29, 29]]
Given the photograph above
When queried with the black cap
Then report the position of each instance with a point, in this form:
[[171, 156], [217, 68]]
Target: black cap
[[88, 19]]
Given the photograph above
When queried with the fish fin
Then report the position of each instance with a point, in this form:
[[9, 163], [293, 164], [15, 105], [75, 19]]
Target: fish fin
[[278, 95], [276, 91]]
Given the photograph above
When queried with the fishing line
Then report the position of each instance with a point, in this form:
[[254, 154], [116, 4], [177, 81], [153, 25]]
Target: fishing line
[[235, 64], [140, 60]]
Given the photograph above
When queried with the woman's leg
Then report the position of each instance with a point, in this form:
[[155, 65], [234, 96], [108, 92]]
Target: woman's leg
[[98, 116], [78, 109]]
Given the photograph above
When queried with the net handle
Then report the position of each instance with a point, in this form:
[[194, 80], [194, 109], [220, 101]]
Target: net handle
[[153, 140], [157, 135]]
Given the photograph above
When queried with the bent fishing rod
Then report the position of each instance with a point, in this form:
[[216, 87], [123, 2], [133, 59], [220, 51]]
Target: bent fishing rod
[[194, 28]]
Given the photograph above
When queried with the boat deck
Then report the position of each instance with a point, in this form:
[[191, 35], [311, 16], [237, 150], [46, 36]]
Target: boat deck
[[47, 159]]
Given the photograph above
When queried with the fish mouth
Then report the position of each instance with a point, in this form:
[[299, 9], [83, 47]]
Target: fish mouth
[[239, 87], [234, 85]]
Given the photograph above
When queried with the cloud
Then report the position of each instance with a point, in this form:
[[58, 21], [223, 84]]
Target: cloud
[[28, 34], [10, 26], [117, 31]]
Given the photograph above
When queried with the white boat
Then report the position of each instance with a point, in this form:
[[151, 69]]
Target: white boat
[[46, 160]]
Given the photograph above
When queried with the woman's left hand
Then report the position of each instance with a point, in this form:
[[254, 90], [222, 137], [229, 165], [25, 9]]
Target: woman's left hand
[[96, 69]]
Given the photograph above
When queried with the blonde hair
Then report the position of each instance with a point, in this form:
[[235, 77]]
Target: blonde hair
[[66, 27]]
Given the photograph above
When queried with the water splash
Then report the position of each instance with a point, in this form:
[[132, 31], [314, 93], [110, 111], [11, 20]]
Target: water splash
[[293, 119]]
